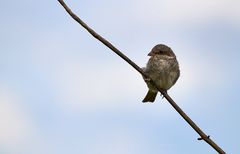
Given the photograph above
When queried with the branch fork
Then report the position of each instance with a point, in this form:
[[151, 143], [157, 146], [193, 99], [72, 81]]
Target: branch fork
[[204, 138]]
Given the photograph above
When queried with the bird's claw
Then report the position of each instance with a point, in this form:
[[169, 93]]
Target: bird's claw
[[164, 92]]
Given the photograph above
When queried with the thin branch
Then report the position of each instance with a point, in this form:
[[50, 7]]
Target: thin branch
[[203, 136]]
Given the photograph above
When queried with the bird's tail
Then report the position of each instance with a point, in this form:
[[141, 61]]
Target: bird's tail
[[150, 97]]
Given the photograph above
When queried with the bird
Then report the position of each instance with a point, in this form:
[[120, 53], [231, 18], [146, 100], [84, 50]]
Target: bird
[[162, 68]]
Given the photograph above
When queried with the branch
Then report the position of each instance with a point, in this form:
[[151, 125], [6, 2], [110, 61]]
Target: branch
[[203, 136]]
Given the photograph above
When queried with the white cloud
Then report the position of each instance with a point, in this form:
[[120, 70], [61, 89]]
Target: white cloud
[[89, 87], [15, 126]]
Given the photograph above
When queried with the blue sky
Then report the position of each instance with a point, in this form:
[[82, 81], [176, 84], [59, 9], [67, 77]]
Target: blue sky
[[62, 91]]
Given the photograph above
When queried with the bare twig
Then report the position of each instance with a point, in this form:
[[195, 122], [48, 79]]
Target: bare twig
[[203, 136]]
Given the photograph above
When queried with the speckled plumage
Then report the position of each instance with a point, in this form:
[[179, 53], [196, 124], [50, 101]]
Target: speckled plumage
[[162, 68]]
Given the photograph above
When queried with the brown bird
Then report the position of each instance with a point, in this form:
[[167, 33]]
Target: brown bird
[[162, 68]]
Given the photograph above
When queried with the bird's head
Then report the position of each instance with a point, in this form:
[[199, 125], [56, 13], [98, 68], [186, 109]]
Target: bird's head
[[161, 49]]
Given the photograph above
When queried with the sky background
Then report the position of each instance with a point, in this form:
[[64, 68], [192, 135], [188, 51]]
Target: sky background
[[62, 91]]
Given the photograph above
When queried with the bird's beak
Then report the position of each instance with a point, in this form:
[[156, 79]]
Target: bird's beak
[[150, 53]]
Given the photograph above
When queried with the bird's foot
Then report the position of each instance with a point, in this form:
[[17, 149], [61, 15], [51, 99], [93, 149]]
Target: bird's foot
[[164, 92]]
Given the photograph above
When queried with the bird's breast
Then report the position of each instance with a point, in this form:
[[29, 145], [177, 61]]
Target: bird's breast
[[164, 71]]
